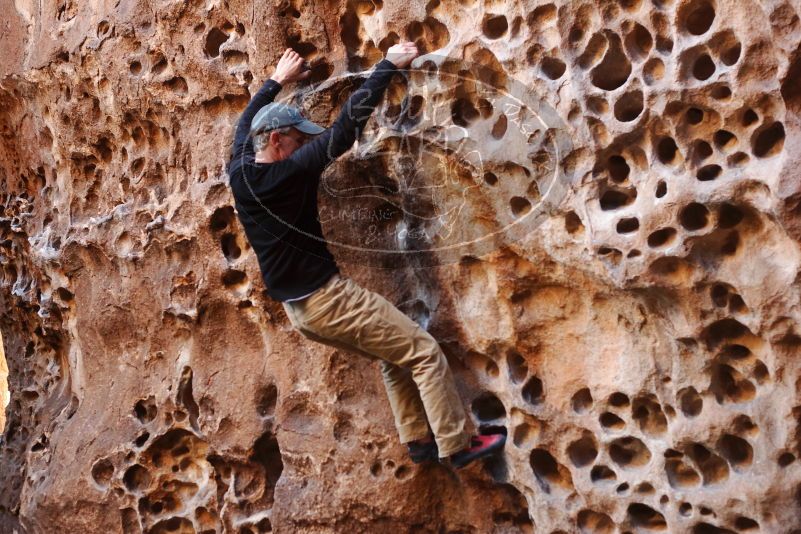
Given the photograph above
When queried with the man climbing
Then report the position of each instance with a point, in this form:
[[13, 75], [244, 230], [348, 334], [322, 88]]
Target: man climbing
[[277, 159]]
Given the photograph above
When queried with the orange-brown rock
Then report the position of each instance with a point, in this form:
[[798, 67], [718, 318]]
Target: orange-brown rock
[[594, 206]]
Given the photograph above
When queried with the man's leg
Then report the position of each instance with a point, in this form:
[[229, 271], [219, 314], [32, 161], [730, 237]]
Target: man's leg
[[344, 313], [404, 399]]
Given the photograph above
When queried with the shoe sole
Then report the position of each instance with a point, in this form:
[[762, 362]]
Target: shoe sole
[[487, 452]]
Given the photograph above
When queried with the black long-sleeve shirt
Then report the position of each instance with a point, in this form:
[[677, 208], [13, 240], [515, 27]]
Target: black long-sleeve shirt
[[277, 202]]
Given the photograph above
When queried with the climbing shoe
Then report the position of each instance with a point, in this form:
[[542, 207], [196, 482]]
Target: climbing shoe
[[480, 447], [423, 452]]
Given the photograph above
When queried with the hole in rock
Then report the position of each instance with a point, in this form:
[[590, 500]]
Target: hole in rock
[[745, 523], [594, 522], [103, 471], [488, 407], [618, 399], [233, 277], [726, 46], [690, 401], [713, 468], [737, 451], [499, 128], [768, 141], [267, 453], [724, 329], [725, 140], [573, 222], [520, 206], [518, 368], [595, 48], [661, 189], [266, 399], [490, 178], [647, 411], [615, 68], [629, 106], [629, 452], [737, 304], [214, 39], [703, 68], [221, 218], [639, 42], [581, 401], [186, 398], [681, 475], [786, 459], [145, 410], [694, 216], [601, 473], [721, 92], [618, 168], [525, 434], [583, 451], [701, 151], [734, 352], [685, 509], [653, 70], [494, 26], [548, 471], [738, 159], [628, 225], [662, 237], [643, 516], [173, 525], [613, 199], [708, 172], [230, 247], [694, 116], [667, 151], [532, 391], [553, 67], [611, 421], [136, 68], [177, 85], [645, 488], [749, 117], [623, 488], [142, 439], [697, 16], [463, 112], [136, 478]]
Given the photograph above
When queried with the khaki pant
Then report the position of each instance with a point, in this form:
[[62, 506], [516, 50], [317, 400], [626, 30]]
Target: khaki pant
[[416, 375]]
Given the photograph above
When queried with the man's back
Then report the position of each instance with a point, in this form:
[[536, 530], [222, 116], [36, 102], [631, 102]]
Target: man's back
[[277, 202]]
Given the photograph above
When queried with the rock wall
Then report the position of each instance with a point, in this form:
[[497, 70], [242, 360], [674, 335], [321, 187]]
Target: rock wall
[[638, 340]]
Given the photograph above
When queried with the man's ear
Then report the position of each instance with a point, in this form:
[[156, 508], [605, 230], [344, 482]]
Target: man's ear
[[275, 138]]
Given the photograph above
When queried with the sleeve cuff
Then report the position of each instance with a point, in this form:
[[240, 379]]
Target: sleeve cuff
[[385, 64]]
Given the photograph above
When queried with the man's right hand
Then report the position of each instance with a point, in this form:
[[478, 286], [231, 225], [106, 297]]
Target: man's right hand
[[290, 68], [402, 54]]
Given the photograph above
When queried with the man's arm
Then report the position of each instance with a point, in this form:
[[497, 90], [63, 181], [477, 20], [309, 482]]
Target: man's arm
[[288, 69], [315, 155]]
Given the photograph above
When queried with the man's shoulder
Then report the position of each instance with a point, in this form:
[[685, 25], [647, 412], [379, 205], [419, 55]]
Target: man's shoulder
[[245, 175]]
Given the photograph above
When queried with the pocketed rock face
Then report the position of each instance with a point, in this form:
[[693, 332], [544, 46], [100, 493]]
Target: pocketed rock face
[[640, 346]]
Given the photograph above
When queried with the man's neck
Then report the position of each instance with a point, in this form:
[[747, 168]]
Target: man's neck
[[265, 156]]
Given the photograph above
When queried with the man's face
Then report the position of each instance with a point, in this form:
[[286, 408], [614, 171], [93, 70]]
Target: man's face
[[290, 142]]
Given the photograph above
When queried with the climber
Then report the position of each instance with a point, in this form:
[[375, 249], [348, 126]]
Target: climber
[[277, 159]]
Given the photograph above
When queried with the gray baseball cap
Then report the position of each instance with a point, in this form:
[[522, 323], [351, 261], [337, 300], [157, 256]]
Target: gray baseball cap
[[278, 115]]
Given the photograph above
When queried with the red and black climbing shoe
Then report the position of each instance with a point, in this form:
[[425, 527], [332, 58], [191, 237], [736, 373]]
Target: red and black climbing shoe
[[421, 452], [480, 447]]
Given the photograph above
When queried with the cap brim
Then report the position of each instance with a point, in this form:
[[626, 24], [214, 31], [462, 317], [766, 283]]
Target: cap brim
[[309, 128]]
